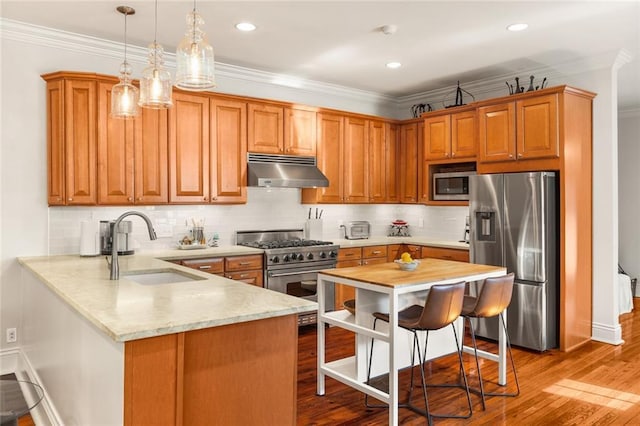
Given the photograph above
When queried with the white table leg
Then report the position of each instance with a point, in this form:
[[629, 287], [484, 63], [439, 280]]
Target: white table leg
[[502, 351], [393, 359], [321, 336]]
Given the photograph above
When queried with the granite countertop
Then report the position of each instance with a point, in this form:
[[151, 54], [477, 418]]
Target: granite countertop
[[423, 241], [126, 310]]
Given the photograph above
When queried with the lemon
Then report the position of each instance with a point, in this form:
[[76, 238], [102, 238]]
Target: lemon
[[406, 257]]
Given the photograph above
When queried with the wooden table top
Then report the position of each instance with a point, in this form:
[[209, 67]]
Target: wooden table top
[[429, 270]]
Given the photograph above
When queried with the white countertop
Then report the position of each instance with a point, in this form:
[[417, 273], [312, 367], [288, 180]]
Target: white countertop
[[126, 310], [423, 241]]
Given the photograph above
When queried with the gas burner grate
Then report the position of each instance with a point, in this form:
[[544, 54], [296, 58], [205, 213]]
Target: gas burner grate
[[285, 244]]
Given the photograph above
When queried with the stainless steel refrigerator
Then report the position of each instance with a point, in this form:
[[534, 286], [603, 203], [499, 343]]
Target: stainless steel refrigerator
[[514, 223]]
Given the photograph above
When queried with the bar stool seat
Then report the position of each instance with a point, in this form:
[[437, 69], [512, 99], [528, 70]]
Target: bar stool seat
[[442, 307], [493, 299]]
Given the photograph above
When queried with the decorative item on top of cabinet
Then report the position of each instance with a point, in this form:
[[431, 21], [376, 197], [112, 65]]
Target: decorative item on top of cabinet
[[71, 138], [519, 130], [459, 255]]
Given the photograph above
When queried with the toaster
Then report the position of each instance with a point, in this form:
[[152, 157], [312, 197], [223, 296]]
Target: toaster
[[357, 230]]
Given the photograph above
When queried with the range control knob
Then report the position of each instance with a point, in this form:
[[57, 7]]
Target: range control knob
[[323, 255], [333, 253], [300, 256], [310, 256], [285, 258], [275, 259]]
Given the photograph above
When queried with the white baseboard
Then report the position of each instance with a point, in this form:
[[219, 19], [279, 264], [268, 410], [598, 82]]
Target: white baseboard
[[14, 361], [607, 334]]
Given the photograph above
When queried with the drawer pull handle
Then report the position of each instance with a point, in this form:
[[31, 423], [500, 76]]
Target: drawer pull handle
[[204, 267], [244, 263], [376, 252]]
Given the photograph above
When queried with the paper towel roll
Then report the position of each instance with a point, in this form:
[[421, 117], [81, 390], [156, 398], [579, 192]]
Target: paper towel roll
[[89, 238]]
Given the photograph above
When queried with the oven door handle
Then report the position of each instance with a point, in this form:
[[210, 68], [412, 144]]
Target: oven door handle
[[288, 274]]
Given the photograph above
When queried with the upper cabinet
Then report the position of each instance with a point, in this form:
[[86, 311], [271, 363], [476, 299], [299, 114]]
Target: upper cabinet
[[392, 154], [377, 161], [356, 164], [275, 129], [228, 128], [410, 141], [71, 140], [450, 136], [189, 149], [521, 130]]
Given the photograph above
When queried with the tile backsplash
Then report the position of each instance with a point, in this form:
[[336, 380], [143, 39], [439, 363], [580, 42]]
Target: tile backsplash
[[267, 208]]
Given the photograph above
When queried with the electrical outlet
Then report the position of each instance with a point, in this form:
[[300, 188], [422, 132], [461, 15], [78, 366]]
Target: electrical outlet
[[12, 335]]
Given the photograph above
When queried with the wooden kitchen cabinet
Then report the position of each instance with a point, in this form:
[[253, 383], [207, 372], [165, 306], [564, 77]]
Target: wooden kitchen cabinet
[[132, 155], [212, 265], [377, 162], [414, 250], [300, 131], [392, 177], [71, 139], [450, 136], [394, 251], [459, 255], [410, 140], [330, 146], [228, 163], [189, 149], [521, 130], [372, 255], [347, 257], [265, 128], [356, 164], [247, 269]]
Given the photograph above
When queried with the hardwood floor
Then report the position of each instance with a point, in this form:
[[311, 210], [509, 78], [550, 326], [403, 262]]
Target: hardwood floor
[[597, 384]]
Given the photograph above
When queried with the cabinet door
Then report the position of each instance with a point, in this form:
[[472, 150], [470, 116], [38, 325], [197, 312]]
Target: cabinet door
[[330, 154], [189, 149], [463, 135], [242, 263], [80, 141], [356, 164], [250, 277], [377, 162], [228, 151], [409, 163], [445, 254], [414, 250], [371, 252], [394, 252], [437, 137], [266, 129], [213, 265], [537, 123], [300, 132], [115, 152], [392, 147], [55, 143], [151, 166], [497, 133]]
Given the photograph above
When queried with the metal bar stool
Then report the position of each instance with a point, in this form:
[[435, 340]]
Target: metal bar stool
[[493, 299], [442, 307]]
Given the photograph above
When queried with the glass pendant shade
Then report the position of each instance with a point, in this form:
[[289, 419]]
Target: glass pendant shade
[[194, 58], [155, 83], [124, 95]]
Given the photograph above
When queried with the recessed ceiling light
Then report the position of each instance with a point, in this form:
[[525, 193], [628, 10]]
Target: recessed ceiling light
[[394, 65], [245, 26], [518, 27]]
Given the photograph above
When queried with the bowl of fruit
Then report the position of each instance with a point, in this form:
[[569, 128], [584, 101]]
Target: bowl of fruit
[[406, 263]]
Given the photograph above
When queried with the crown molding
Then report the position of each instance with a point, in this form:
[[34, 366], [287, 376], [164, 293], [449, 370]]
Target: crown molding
[[54, 38]]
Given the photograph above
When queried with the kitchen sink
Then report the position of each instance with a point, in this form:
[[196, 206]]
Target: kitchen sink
[[161, 276]]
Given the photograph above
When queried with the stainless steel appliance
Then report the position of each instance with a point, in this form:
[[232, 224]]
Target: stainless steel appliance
[[123, 235], [451, 185], [286, 171], [356, 230], [292, 264], [514, 223]]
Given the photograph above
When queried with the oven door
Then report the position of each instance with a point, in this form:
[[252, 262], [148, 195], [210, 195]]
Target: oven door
[[300, 282]]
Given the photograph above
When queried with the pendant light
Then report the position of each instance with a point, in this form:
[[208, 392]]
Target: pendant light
[[155, 84], [194, 57], [124, 95]]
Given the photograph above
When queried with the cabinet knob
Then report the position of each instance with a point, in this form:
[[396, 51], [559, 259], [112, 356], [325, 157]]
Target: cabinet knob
[[510, 155], [129, 199], [205, 199], [70, 199], [139, 198], [519, 155], [453, 154], [214, 198], [447, 155]]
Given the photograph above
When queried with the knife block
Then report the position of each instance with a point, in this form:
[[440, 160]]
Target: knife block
[[313, 229]]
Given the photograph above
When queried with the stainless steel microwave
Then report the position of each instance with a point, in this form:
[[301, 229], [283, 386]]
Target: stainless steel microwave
[[451, 186]]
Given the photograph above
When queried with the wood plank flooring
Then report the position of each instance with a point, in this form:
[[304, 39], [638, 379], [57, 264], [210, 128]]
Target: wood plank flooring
[[597, 384]]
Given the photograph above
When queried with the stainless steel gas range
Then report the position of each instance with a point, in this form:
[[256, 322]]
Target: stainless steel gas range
[[292, 263]]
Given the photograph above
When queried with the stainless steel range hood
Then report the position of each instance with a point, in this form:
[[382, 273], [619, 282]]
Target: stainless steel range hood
[[284, 171]]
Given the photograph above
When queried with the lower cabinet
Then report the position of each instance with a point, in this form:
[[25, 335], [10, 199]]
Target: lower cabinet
[[445, 254], [247, 269], [237, 374]]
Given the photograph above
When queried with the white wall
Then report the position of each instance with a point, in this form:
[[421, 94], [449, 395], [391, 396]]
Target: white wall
[[629, 196]]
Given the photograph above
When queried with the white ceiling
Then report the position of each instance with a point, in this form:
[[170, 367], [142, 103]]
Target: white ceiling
[[340, 42]]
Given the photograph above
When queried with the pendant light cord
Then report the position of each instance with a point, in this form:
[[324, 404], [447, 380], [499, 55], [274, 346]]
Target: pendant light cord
[[194, 21], [155, 39], [125, 37]]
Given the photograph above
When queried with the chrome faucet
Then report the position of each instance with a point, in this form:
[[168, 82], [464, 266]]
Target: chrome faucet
[[115, 269]]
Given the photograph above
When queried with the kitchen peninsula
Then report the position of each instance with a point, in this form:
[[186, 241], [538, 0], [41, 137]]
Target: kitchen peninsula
[[204, 351]]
